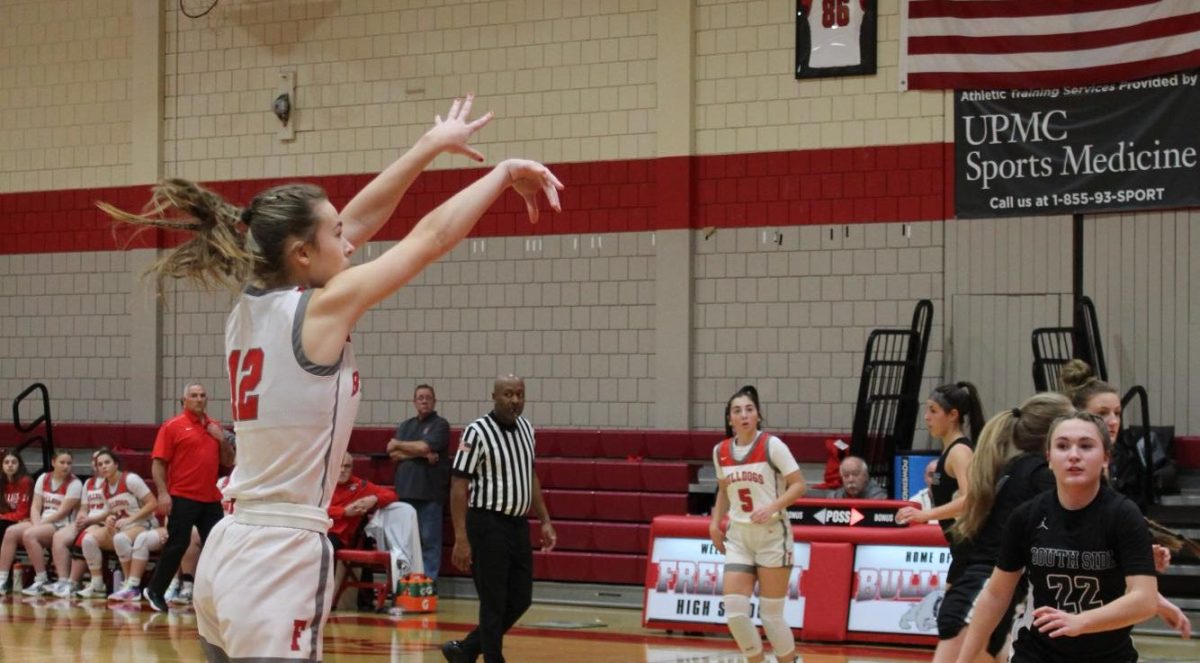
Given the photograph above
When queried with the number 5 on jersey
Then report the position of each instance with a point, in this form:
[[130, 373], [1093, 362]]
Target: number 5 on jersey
[[746, 500], [245, 372]]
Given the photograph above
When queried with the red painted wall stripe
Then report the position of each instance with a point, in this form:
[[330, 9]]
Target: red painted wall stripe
[[851, 185], [807, 447]]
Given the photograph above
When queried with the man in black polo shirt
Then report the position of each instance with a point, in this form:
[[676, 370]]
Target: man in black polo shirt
[[495, 458], [420, 448]]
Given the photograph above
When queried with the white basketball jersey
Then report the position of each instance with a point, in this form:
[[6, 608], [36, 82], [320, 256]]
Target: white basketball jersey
[[93, 496], [292, 417], [834, 27], [126, 497], [54, 495], [757, 479]]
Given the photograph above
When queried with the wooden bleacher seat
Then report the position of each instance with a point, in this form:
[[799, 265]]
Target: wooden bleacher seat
[[622, 444]]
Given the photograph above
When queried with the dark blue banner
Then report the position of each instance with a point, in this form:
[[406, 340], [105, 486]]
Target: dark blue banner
[[1121, 146]]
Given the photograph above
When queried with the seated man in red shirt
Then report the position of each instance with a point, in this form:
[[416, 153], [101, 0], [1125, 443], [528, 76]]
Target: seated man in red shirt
[[353, 499]]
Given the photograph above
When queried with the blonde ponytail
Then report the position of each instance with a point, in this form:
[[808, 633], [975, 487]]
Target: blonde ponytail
[[229, 244], [1004, 437]]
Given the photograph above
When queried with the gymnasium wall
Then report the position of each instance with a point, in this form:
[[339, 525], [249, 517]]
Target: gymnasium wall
[[1143, 271], [64, 76], [568, 81], [726, 223], [1005, 278], [790, 309], [748, 100]]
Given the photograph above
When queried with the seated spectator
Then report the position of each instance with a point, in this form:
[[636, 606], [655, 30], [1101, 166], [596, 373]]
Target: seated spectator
[[130, 506], [353, 499], [55, 495], [923, 497], [92, 509], [856, 483], [16, 492]]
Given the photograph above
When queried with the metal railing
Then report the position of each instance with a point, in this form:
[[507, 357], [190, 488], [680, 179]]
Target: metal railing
[[46, 439]]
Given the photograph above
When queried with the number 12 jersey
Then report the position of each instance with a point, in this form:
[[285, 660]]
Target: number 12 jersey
[[293, 417]]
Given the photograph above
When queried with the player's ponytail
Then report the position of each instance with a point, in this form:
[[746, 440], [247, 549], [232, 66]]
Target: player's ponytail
[[1005, 436], [962, 397], [229, 244], [1081, 385]]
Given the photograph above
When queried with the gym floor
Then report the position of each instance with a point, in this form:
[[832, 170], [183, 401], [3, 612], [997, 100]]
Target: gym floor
[[59, 630]]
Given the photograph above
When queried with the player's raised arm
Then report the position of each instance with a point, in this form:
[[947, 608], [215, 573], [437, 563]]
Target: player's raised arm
[[371, 208], [335, 308]]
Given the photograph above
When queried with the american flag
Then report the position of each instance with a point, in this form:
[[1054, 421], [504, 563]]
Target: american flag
[[1011, 44]]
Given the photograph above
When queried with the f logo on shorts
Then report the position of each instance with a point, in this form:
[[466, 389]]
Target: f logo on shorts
[[298, 627]]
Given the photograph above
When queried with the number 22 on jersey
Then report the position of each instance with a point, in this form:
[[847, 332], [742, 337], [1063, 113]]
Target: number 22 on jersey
[[245, 372]]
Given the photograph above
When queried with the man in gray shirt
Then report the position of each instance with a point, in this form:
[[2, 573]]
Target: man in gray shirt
[[856, 483], [420, 447]]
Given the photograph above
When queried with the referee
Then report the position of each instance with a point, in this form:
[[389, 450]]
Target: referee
[[495, 456]]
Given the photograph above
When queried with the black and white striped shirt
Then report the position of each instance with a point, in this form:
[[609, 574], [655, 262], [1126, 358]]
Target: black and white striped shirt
[[498, 460]]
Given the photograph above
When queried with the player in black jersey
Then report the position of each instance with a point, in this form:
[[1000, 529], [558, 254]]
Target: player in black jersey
[[1086, 550], [1089, 393], [1008, 468], [949, 407]]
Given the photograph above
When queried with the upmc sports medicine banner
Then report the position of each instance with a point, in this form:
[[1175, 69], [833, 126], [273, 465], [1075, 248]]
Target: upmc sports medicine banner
[[690, 576], [1131, 145], [897, 589]]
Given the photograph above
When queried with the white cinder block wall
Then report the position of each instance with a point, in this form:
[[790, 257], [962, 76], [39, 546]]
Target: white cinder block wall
[[793, 317], [747, 97], [570, 81], [64, 322], [64, 98]]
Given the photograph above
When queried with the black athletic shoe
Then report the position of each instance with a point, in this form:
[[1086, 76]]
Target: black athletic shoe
[[155, 600], [454, 651]]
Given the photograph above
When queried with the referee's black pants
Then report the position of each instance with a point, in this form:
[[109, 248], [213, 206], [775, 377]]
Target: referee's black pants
[[185, 514], [502, 564]]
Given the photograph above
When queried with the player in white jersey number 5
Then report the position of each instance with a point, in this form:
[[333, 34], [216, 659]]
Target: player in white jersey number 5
[[264, 582], [758, 479]]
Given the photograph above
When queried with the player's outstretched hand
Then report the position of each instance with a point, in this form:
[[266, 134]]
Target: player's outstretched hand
[[1162, 557], [530, 177], [452, 134], [908, 515], [1174, 617], [1056, 623]]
